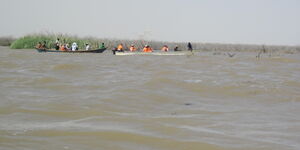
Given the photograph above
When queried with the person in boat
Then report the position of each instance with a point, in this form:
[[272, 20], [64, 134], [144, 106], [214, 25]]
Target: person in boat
[[132, 48], [67, 47], [190, 47], [39, 45], [87, 47], [147, 49], [74, 46], [44, 45], [120, 48], [102, 46], [114, 50], [165, 48], [62, 47], [176, 48], [57, 43]]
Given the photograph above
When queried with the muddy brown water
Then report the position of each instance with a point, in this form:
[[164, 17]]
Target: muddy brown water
[[100, 101]]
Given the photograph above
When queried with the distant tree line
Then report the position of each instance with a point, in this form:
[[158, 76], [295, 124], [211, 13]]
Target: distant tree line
[[6, 40]]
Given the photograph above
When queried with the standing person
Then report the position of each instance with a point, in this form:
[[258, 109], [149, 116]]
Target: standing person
[[57, 43], [132, 48], [147, 49], [190, 47], [74, 46], [87, 47], [102, 46], [165, 48], [120, 48]]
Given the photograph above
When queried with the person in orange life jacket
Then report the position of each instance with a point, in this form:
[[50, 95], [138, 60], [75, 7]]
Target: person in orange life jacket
[[120, 48], [147, 49], [165, 48], [62, 47], [132, 48]]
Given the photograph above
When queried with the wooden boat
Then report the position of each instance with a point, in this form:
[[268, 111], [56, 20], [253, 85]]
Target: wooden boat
[[181, 53], [59, 51]]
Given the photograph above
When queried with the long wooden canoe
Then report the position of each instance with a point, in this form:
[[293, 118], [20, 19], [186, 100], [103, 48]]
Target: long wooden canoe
[[59, 51], [181, 53]]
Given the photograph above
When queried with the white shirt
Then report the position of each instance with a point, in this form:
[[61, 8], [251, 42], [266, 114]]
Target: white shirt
[[87, 47], [74, 46]]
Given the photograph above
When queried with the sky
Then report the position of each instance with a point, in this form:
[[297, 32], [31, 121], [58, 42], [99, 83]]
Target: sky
[[274, 22]]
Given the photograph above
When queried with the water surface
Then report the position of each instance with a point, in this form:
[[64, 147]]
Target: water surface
[[100, 101]]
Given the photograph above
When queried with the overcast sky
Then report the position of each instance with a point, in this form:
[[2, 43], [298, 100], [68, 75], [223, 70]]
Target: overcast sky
[[218, 21]]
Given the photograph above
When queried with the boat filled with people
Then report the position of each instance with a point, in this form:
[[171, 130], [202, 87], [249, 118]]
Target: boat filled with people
[[120, 50], [65, 48], [101, 50], [148, 50], [181, 53]]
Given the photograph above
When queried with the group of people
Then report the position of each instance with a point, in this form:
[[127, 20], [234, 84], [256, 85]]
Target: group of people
[[66, 46], [74, 47], [132, 48], [120, 48], [148, 49]]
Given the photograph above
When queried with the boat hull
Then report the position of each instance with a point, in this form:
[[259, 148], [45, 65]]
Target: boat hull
[[59, 51], [154, 53]]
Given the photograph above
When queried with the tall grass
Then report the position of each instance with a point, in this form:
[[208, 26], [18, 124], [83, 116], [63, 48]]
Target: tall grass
[[30, 41]]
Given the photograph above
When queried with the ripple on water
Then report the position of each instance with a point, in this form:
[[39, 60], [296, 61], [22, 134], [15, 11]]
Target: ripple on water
[[67, 67]]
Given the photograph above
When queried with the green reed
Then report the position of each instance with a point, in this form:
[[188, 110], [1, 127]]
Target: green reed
[[31, 40]]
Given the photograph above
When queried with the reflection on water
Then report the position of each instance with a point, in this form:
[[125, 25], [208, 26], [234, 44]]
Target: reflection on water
[[100, 101]]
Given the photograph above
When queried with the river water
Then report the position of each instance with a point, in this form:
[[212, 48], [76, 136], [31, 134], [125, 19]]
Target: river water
[[100, 101]]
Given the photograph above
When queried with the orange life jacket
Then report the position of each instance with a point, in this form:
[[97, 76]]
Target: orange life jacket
[[148, 50], [120, 47], [62, 48]]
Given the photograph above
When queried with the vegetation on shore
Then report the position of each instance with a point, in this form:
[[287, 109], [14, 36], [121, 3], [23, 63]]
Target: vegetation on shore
[[30, 41], [6, 40]]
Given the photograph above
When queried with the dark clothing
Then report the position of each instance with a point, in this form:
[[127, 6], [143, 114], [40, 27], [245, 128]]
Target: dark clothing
[[176, 49], [190, 47], [57, 47]]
